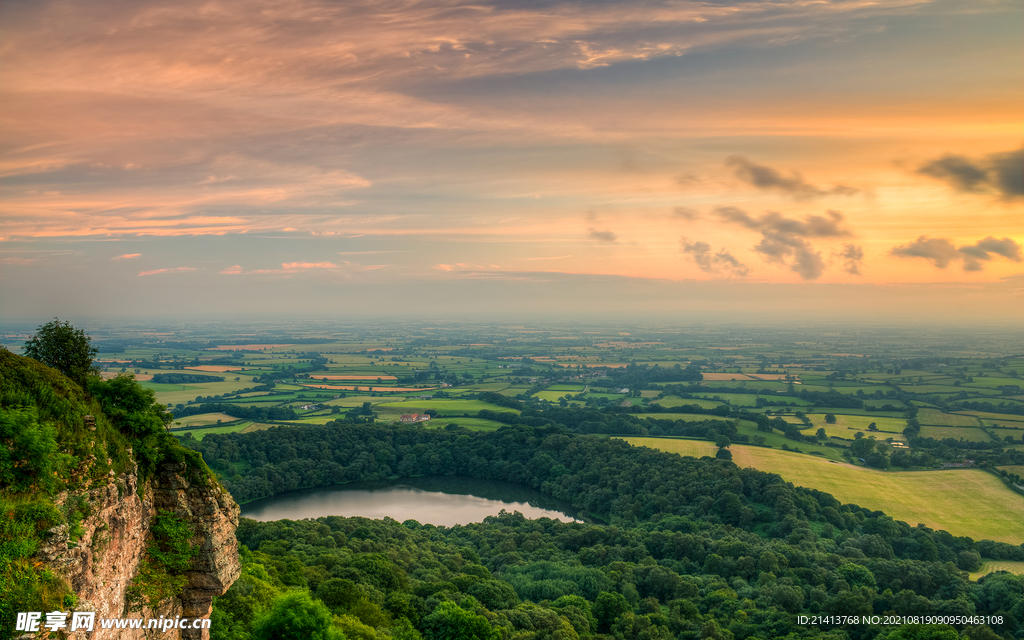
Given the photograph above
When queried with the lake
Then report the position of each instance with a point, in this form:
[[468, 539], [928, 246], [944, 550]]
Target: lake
[[438, 500]]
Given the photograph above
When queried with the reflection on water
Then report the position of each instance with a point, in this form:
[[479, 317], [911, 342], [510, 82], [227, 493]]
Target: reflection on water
[[438, 500]]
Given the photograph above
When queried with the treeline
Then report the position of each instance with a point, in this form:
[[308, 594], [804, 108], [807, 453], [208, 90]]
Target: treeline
[[237, 411], [509, 577], [184, 378], [636, 376], [695, 548], [620, 421]]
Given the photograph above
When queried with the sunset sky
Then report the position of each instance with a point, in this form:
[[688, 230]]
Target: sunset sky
[[440, 157]]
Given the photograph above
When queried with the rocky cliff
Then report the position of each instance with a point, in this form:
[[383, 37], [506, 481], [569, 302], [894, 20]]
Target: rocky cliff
[[106, 555]]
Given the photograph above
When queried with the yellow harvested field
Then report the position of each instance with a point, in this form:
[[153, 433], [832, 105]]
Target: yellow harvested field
[[965, 502], [214, 368], [991, 566]]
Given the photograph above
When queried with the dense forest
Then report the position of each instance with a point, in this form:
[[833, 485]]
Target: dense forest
[[688, 549]]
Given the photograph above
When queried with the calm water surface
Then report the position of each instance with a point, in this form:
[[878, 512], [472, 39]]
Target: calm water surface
[[443, 501]]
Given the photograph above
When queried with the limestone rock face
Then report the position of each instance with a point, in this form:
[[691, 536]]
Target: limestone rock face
[[100, 565]]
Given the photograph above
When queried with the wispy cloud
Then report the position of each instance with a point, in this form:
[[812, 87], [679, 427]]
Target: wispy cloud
[[287, 268], [126, 256], [720, 262], [769, 179], [169, 270], [603, 236]]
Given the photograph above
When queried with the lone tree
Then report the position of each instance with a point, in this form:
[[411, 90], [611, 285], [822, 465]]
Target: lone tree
[[67, 349], [830, 418]]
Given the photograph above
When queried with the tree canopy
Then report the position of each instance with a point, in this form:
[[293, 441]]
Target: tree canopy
[[67, 349]]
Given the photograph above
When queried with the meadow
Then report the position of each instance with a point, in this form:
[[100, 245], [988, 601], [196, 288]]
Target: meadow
[[965, 502]]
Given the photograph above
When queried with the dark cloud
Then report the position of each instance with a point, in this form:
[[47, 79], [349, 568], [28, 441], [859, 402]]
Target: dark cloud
[[713, 263], [700, 252], [852, 256], [686, 213], [1006, 247], [941, 251], [1008, 173], [1002, 172], [603, 236], [958, 171], [783, 239], [792, 251], [767, 178]]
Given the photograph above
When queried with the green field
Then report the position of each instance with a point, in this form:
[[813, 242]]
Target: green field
[[935, 417], [965, 502], [777, 440], [998, 417], [1016, 434], [675, 401], [967, 433], [444, 407], [848, 425], [688, 417], [553, 396], [476, 424]]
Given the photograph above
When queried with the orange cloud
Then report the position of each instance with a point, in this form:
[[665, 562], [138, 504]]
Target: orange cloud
[[126, 256]]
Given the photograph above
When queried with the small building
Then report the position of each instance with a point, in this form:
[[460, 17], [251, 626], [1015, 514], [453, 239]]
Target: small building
[[409, 418]]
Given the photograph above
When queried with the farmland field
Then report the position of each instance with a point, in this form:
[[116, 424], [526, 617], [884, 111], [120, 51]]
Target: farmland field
[[476, 424], [967, 433], [675, 401], [442, 406], [847, 425], [1016, 434], [935, 417], [965, 502], [202, 418], [199, 434]]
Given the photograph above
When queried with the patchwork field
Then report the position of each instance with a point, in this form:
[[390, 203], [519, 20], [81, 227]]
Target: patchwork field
[[965, 502]]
